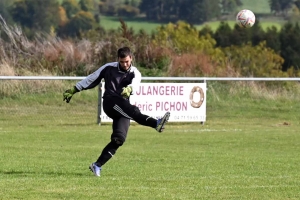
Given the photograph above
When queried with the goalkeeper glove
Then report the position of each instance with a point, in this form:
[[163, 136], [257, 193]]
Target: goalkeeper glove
[[126, 91], [69, 93]]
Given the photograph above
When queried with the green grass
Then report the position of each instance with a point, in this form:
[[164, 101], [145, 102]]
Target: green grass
[[136, 24], [257, 6], [247, 149]]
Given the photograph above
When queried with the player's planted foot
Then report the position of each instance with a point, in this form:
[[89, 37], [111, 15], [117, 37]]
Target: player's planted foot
[[95, 169], [162, 121]]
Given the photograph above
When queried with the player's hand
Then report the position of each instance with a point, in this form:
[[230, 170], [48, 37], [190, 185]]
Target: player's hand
[[69, 93], [126, 91]]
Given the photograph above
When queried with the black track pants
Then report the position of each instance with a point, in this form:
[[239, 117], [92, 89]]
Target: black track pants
[[116, 107]]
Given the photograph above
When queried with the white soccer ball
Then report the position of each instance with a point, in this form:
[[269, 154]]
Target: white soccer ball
[[245, 18]]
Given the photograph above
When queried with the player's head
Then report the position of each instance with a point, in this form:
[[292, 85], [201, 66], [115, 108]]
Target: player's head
[[124, 58]]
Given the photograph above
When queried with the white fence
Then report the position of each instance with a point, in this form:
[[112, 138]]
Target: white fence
[[202, 79]]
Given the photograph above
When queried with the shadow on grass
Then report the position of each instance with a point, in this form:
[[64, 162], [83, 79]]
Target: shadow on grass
[[28, 173]]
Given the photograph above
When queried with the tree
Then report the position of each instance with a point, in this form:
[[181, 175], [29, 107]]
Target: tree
[[229, 6], [272, 39], [109, 7], [4, 11], [280, 6], [297, 3], [191, 11], [184, 38], [128, 11], [290, 45], [257, 61], [157, 9], [213, 9], [223, 35], [19, 11], [206, 30], [199, 11], [63, 19], [36, 16], [71, 7], [81, 22], [87, 5], [257, 33], [240, 35]]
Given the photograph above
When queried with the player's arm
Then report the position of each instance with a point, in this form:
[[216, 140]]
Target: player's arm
[[89, 82]]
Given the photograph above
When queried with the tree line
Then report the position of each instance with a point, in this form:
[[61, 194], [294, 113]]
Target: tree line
[[75, 20], [85, 14], [285, 42]]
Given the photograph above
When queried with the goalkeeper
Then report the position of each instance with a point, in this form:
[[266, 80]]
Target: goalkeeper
[[121, 81]]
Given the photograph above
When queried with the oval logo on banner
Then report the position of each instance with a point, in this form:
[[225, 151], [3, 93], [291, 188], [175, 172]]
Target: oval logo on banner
[[193, 91]]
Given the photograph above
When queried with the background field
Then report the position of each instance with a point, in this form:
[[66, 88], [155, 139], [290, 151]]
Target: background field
[[149, 27], [247, 149], [260, 7]]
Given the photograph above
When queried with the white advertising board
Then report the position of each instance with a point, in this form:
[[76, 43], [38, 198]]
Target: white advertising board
[[185, 101]]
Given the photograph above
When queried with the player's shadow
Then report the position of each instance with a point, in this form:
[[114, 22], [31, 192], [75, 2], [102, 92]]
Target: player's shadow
[[28, 173]]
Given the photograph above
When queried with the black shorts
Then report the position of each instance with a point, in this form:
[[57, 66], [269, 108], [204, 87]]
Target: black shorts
[[116, 107]]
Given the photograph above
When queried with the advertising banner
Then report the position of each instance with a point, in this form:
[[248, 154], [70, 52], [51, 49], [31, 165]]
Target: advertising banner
[[185, 101]]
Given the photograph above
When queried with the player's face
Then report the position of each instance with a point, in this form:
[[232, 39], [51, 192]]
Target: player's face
[[125, 62]]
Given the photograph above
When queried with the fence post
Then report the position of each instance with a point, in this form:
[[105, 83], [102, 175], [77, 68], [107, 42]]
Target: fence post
[[204, 81], [99, 103]]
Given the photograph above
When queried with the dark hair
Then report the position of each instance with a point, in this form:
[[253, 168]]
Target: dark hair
[[124, 52]]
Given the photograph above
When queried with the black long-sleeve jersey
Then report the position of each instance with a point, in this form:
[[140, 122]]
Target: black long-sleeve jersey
[[115, 79]]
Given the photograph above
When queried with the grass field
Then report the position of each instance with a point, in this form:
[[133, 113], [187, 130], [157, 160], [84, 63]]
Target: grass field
[[247, 149], [114, 23]]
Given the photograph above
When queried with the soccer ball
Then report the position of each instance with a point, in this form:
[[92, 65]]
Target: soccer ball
[[245, 18]]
